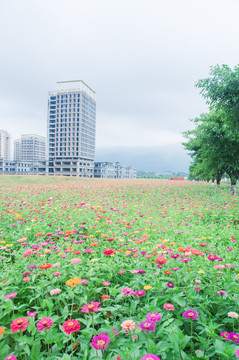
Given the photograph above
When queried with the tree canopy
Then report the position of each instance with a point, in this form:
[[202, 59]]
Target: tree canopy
[[214, 143]]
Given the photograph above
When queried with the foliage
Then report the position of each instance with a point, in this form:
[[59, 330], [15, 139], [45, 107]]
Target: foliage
[[221, 91], [213, 150]]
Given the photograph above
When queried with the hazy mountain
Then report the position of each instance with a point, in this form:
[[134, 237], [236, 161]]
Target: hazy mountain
[[167, 158]]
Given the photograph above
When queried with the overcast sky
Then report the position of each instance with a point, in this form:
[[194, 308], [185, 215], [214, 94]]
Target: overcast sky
[[142, 58]]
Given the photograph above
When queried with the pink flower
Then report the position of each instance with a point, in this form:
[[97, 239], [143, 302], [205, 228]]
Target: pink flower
[[91, 308], [84, 281], [100, 341], [128, 325], [106, 283], [147, 326], [191, 314], [45, 323], [71, 326], [221, 292], [218, 266], [26, 279], [153, 317], [19, 324], [32, 314], [57, 273], [224, 334], [237, 353], [140, 293], [234, 337], [168, 307], [170, 285], [55, 291], [56, 264], [11, 357], [75, 261], [150, 357], [11, 295], [127, 292]]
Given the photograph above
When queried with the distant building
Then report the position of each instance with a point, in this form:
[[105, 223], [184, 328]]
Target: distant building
[[32, 148], [13, 167], [5, 145], [17, 150], [71, 129], [114, 171]]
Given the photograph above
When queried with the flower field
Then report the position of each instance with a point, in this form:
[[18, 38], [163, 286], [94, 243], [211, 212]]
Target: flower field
[[118, 269]]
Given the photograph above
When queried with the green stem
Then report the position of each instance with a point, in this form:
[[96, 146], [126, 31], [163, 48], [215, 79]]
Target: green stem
[[191, 339], [93, 323]]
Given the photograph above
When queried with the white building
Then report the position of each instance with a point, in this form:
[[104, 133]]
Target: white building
[[17, 150], [13, 167], [71, 129], [114, 170], [32, 148], [5, 145]]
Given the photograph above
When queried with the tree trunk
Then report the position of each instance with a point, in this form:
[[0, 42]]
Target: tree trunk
[[233, 187], [218, 180]]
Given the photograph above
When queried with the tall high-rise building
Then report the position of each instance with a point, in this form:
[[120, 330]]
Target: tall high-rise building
[[32, 148], [5, 145], [71, 129], [17, 150]]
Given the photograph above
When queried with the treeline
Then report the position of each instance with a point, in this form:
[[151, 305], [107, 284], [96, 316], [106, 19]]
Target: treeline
[[152, 175], [214, 143]]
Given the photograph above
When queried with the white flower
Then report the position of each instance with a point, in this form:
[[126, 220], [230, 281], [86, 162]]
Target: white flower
[[233, 315]]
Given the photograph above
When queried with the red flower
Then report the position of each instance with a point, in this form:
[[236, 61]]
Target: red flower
[[109, 252], [161, 260], [19, 324], [45, 266], [70, 326], [104, 297]]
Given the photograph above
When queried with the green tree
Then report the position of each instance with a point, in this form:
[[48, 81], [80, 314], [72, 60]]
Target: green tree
[[213, 150], [221, 91]]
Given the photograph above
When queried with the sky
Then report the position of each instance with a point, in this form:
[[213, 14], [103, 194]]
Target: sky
[[142, 58]]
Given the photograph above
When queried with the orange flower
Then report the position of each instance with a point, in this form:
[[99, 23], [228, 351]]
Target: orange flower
[[73, 282], [2, 330], [94, 244], [4, 281], [68, 232], [104, 297], [181, 249], [70, 248]]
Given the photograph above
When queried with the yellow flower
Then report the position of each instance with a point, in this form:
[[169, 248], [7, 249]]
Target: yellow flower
[[59, 254], [9, 245], [127, 252], [201, 272], [147, 287]]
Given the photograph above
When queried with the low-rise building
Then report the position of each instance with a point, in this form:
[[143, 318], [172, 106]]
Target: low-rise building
[[14, 167], [114, 171]]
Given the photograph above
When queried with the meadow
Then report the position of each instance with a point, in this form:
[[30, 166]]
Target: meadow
[[118, 269]]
